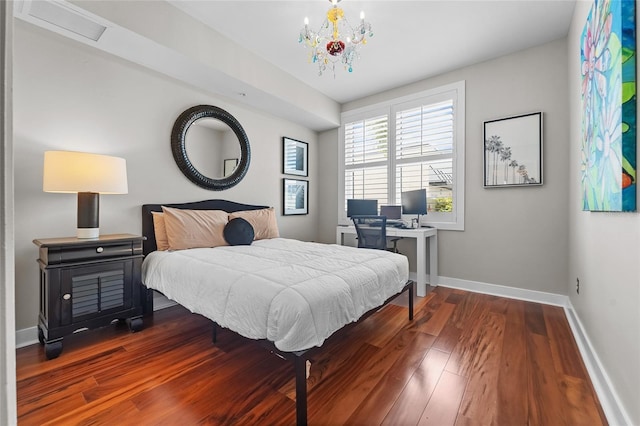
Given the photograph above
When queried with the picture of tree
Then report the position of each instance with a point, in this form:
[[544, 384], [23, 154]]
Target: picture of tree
[[513, 151]]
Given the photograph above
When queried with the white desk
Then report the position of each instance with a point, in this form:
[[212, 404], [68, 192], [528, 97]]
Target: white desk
[[421, 236]]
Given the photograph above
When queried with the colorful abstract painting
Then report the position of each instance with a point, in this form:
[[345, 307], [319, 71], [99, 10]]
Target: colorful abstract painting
[[608, 53]]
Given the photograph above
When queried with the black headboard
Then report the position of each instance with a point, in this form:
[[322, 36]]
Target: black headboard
[[149, 244]]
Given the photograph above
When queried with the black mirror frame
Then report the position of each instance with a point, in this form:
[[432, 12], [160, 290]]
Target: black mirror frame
[[178, 147]]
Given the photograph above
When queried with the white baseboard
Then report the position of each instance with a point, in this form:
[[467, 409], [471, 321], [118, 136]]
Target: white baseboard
[[611, 404], [29, 336], [504, 291], [26, 337], [608, 398], [161, 302]]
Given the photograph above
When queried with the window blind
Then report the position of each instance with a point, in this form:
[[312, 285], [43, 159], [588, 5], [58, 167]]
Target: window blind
[[366, 155], [424, 152]]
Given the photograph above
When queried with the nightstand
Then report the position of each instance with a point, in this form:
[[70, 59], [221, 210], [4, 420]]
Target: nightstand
[[86, 284]]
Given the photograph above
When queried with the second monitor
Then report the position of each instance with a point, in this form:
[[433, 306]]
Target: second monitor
[[414, 202], [391, 212]]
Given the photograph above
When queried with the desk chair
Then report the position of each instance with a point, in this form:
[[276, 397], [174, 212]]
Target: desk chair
[[371, 232]]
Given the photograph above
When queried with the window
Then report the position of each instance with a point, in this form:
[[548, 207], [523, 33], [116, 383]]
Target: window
[[409, 143]]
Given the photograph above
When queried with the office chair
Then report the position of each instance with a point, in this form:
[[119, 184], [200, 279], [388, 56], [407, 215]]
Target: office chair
[[371, 232]]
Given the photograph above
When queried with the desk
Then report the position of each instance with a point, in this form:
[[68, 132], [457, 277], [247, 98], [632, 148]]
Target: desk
[[421, 236]]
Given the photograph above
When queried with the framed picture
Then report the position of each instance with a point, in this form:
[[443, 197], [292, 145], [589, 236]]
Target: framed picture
[[513, 151], [609, 107], [229, 166], [295, 196], [294, 157]]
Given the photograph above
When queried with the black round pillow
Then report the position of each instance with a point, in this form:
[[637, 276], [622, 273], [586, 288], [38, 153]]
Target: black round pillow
[[238, 232]]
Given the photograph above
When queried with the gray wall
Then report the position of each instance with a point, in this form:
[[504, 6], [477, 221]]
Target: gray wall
[[516, 237], [605, 256], [68, 96]]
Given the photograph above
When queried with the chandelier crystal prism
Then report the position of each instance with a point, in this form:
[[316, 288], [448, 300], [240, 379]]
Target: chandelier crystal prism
[[337, 42]]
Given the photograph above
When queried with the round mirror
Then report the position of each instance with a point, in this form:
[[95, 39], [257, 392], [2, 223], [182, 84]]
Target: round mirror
[[210, 147]]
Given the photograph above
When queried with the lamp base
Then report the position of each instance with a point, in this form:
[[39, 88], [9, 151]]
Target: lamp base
[[85, 233], [88, 215]]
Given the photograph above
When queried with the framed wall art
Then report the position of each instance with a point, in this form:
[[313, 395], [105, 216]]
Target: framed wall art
[[513, 151], [229, 166], [295, 196], [295, 157], [608, 67]]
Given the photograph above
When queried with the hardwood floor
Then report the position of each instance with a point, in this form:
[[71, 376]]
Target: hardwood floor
[[465, 359]]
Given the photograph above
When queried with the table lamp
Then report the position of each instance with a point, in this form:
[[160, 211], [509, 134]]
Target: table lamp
[[88, 175]]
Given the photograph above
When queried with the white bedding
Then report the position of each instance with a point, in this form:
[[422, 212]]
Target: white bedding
[[293, 293]]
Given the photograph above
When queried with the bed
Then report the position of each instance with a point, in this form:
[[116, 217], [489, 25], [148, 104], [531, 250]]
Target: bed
[[288, 295]]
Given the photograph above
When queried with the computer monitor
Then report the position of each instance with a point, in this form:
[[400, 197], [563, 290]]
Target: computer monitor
[[414, 202], [391, 212], [362, 207]]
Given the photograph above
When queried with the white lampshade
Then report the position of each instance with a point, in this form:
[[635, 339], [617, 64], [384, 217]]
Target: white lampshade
[[67, 171], [89, 175]]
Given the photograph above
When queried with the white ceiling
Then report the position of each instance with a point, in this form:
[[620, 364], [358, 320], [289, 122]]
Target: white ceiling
[[413, 40]]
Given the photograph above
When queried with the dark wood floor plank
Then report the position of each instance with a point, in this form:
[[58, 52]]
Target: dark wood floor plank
[[448, 338], [386, 324], [355, 388], [563, 345], [132, 384], [410, 405], [375, 371], [50, 398], [469, 343], [113, 382], [274, 409], [468, 309], [584, 407], [547, 404], [124, 413], [455, 297], [379, 401], [443, 406], [534, 318], [513, 376], [480, 401], [439, 319], [513, 310], [245, 388], [41, 414]]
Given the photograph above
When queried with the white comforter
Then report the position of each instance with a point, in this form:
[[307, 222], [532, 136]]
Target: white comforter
[[293, 293]]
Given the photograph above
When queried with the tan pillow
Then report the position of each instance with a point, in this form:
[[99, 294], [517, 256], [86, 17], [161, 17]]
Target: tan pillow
[[194, 228], [160, 231], [263, 221]]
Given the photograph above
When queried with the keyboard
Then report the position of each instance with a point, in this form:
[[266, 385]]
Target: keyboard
[[395, 223], [390, 224]]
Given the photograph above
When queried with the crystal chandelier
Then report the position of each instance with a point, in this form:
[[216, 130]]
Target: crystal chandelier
[[336, 41]]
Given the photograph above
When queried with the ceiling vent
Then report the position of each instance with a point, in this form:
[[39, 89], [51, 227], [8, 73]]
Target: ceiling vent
[[56, 13]]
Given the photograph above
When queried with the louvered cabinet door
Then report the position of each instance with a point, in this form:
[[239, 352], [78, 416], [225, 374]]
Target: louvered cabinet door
[[95, 290], [86, 284]]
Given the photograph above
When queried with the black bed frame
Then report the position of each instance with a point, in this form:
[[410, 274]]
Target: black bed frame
[[299, 358]]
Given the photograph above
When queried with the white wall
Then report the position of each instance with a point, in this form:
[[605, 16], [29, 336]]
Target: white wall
[[71, 97], [8, 410], [516, 237], [605, 256]]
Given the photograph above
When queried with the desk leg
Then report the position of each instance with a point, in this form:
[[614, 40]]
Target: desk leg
[[433, 260], [421, 266]]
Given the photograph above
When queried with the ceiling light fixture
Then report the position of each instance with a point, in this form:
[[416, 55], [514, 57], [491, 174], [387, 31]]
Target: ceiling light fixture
[[336, 41]]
